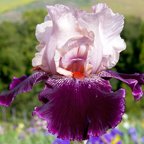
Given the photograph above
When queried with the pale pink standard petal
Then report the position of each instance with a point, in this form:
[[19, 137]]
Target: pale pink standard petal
[[106, 27], [111, 25], [43, 31], [64, 28], [40, 61], [91, 23]]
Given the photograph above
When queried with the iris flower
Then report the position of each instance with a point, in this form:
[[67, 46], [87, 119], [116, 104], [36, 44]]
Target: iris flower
[[76, 51]]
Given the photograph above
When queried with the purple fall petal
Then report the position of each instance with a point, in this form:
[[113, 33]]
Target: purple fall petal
[[76, 109], [20, 86], [134, 81], [16, 81]]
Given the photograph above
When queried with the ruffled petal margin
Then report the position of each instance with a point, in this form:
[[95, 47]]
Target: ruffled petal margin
[[134, 81], [76, 109], [21, 85]]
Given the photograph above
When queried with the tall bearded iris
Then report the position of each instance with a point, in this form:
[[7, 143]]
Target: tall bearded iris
[[75, 51]]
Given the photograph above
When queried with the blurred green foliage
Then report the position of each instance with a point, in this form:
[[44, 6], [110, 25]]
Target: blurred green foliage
[[131, 58], [17, 48]]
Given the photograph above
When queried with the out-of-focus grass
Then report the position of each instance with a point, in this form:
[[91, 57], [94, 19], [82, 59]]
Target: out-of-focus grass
[[20, 135], [13, 137], [11, 133], [6, 5]]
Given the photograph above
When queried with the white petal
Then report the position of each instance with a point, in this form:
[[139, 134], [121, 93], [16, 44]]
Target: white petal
[[60, 70], [79, 53], [65, 23], [111, 26], [64, 28], [91, 23], [40, 61], [107, 27], [37, 60], [43, 31]]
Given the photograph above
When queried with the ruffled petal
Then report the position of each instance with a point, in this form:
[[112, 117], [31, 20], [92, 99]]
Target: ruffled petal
[[21, 85], [76, 109], [90, 21], [106, 27], [64, 23], [38, 59], [111, 25], [134, 81], [43, 31], [64, 28]]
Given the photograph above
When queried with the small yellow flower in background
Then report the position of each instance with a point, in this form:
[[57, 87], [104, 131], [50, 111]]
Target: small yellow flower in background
[[20, 127], [116, 139]]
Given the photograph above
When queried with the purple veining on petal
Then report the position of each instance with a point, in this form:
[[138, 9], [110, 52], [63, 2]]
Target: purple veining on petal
[[16, 81], [78, 108], [134, 81], [22, 86]]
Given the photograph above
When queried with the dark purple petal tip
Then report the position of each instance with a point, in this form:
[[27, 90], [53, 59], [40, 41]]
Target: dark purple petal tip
[[21, 85], [76, 109], [134, 81]]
